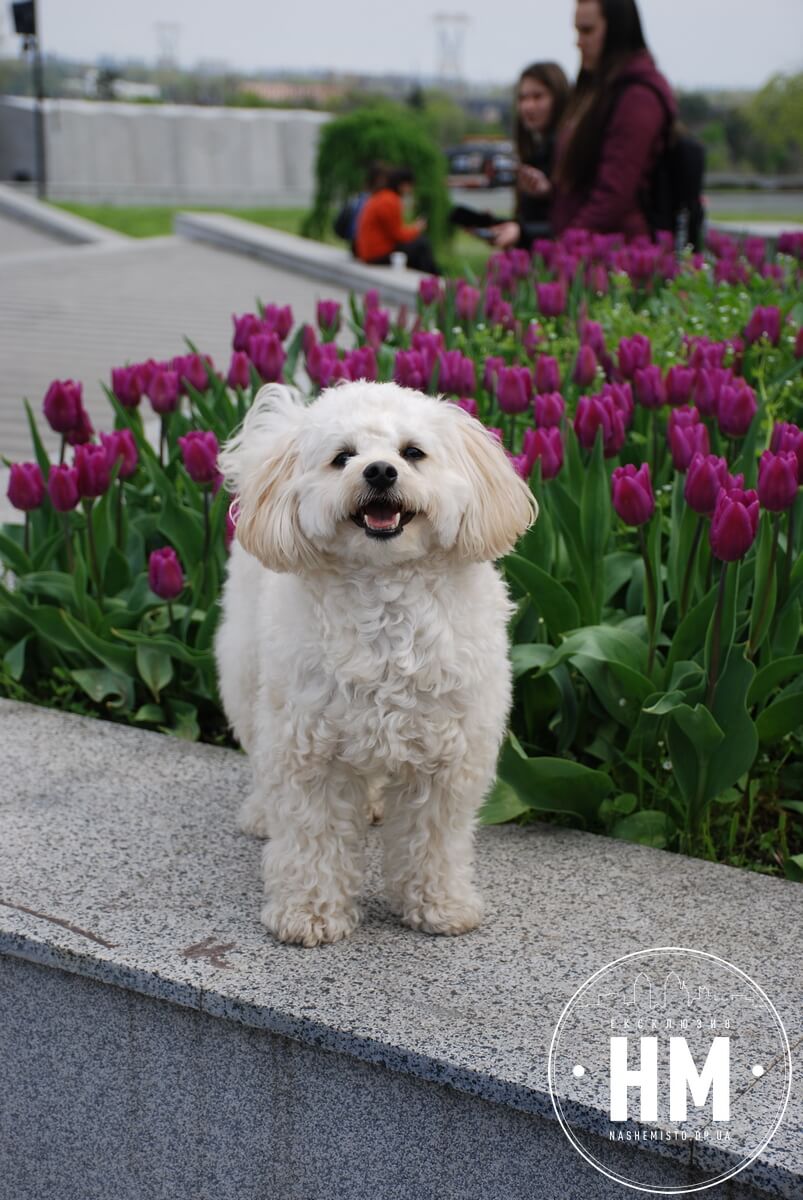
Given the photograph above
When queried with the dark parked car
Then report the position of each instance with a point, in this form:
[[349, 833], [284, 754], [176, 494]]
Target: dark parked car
[[481, 164]]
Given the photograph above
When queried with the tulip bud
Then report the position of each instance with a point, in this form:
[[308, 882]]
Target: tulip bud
[[632, 495], [278, 320], [551, 298], [634, 353], [62, 405], [599, 412], [360, 363], [466, 302], [736, 409], [163, 391], [62, 488], [429, 290], [26, 487], [376, 326], [764, 322], [514, 389], [165, 577], [622, 396], [92, 465], [679, 385], [650, 387], [789, 437], [328, 316], [267, 354], [734, 524], [82, 432], [705, 477], [245, 328], [547, 444], [128, 384], [239, 370], [585, 367], [777, 480], [547, 374], [549, 410], [410, 369], [199, 451], [120, 444]]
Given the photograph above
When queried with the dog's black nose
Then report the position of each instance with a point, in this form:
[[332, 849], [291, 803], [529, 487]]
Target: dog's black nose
[[380, 475]]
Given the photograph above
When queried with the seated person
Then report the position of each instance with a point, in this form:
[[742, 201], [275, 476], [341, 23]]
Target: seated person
[[345, 224], [381, 230], [542, 93]]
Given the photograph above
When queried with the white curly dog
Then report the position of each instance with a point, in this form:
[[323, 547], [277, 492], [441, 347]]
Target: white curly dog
[[363, 647]]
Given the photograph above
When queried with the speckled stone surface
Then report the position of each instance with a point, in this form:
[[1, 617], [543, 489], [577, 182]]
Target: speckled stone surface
[[120, 862]]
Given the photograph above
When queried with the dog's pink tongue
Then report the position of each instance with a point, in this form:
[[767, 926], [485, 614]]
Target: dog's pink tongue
[[379, 517]]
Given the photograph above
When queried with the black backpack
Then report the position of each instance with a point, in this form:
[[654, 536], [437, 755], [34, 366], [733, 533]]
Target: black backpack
[[674, 200]]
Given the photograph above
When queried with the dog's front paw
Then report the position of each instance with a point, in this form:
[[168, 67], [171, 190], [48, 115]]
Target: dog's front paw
[[306, 925], [253, 816], [447, 915]]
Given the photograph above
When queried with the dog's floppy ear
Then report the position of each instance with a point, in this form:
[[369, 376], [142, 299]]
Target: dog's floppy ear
[[259, 464], [501, 505]]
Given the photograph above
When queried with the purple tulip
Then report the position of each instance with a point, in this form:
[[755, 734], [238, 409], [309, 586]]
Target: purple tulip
[[514, 389], [789, 437], [128, 385], [632, 495], [199, 451], [321, 362], [267, 354], [245, 327], [549, 410], [429, 290], [239, 370], [777, 480], [192, 371], [585, 367], [62, 488], [456, 373], [592, 334], [551, 298], [755, 251], [547, 374], [687, 438], [410, 370], [635, 354], [650, 387], [371, 300], [429, 344], [736, 409], [277, 320], [360, 363], [490, 372], [120, 444], [82, 432], [92, 465], [328, 316], [547, 444], [734, 524], [466, 302], [707, 388], [62, 405], [679, 385], [764, 322], [26, 487], [469, 405], [164, 391], [599, 412], [622, 396], [705, 477], [165, 577]]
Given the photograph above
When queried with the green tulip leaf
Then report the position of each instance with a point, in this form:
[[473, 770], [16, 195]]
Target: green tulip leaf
[[550, 598], [503, 803]]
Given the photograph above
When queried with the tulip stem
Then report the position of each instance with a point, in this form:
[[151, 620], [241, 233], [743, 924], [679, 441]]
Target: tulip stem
[[63, 447], [68, 543], [765, 599], [119, 515], [716, 639], [170, 616], [690, 563], [93, 550], [652, 601], [790, 553]]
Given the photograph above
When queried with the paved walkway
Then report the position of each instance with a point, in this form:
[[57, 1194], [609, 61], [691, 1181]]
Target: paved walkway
[[75, 312]]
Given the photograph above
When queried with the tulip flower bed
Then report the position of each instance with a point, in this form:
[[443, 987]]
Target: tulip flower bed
[[653, 402]]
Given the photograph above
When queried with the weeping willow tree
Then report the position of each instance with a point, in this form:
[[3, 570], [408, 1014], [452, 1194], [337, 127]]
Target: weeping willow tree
[[383, 132]]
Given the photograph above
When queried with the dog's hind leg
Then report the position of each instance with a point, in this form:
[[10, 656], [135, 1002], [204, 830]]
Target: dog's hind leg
[[253, 816]]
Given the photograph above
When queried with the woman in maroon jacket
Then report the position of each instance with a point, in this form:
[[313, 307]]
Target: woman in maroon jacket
[[616, 127]]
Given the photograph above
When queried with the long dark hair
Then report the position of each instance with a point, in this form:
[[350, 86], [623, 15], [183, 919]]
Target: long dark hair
[[596, 92], [551, 76]]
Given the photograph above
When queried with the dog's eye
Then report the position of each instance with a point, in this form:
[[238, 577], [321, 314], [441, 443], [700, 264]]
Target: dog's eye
[[412, 452], [342, 458]]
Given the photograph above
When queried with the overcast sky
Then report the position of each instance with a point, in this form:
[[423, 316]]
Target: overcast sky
[[715, 43]]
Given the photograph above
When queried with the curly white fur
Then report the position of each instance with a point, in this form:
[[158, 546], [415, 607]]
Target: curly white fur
[[351, 665]]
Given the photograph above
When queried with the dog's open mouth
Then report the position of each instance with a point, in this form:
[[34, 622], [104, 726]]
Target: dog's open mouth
[[382, 518]]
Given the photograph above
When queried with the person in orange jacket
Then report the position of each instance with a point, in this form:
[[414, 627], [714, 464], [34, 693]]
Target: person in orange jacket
[[381, 230]]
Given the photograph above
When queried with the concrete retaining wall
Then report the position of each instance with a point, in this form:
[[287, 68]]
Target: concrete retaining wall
[[167, 153]]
